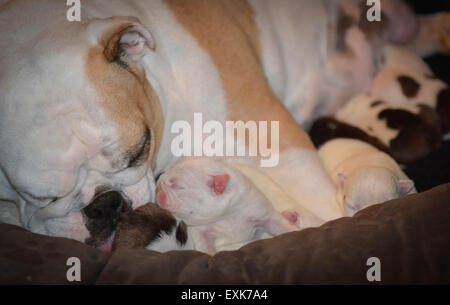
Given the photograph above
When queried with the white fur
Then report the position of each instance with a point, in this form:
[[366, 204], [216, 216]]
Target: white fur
[[217, 221], [359, 113], [403, 62], [369, 176]]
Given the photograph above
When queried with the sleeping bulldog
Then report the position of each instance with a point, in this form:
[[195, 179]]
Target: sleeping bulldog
[[364, 175], [87, 108]]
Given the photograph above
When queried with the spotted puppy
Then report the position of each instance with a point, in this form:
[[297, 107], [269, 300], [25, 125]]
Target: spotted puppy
[[221, 207], [151, 227], [363, 174], [406, 80], [407, 133]]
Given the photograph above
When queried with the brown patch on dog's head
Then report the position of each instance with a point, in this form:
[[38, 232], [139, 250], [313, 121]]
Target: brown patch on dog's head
[[410, 87], [138, 228], [419, 134], [115, 70], [228, 32], [443, 109]]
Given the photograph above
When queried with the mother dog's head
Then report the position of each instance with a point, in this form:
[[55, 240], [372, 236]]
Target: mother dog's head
[[80, 125]]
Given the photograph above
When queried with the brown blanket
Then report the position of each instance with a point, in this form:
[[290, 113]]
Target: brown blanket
[[410, 236]]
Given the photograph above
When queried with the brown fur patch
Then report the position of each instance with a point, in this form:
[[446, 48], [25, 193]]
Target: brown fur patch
[[182, 234], [227, 31], [138, 228], [418, 134], [327, 128], [410, 87], [129, 100]]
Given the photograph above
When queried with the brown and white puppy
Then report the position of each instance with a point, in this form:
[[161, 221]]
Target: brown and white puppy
[[221, 207], [364, 175], [406, 80], [408, 132], [86, 108], [151, 227]]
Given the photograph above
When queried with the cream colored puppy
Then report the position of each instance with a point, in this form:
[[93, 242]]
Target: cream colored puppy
[[364, 175]]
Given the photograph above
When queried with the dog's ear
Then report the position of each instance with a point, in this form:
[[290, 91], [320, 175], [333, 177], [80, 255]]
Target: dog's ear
[[124, 39], [219, 183], [405, 186]]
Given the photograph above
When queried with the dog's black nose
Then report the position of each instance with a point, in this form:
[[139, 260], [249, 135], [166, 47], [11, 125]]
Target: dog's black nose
[[106, 206]]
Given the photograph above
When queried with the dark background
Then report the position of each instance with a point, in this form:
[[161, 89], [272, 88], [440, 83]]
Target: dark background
[[435, 169]]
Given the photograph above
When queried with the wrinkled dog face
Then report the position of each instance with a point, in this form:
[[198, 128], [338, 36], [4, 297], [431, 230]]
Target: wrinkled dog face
[[79, 125]]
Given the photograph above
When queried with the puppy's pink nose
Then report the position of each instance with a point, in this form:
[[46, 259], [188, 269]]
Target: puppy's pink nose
[[160, 196]]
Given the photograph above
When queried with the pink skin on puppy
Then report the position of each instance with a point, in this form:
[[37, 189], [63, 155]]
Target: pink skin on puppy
[[223, 209]]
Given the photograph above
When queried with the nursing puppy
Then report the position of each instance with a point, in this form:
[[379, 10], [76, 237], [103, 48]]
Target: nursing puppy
[[406, 80], [153, 228], [223, 208], [364, 175], [410, 132]]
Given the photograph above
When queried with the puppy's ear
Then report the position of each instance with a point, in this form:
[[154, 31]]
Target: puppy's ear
[[405, 186], [124, 39], [219, 183], [341, 179]]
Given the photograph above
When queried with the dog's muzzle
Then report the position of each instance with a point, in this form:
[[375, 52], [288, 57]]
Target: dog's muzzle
[[102, 216]]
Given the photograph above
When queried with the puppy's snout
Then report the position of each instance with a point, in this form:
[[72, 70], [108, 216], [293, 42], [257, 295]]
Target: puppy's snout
[[107, 205]]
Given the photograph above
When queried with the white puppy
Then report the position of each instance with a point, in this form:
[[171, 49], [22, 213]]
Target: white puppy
[[221, 207], [364, 175]]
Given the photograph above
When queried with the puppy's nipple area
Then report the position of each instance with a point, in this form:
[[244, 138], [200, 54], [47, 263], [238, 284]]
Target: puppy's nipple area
[[291, 216]]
